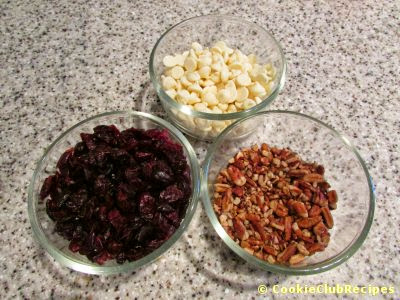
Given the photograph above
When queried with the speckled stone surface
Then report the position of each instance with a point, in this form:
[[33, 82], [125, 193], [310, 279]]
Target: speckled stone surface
[[64, 61]]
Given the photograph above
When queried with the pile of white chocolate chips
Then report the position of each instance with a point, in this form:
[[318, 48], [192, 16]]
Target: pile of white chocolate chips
[[217, 79]]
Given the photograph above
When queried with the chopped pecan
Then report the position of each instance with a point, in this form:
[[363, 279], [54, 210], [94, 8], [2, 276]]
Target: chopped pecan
[[300, 209], [227, 201], [288, 228], [326, 213], [313, 177], [295, 259], [309, 222], [302, 249], [332, 199], [281, 210], [236, 175], [298, 172], [221, 187], [314, 211], [239, 228], [270, 250], [315, 247], [286, 254], [238, 191]]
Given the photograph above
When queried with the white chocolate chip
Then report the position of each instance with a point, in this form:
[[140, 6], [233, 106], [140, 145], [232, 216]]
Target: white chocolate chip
[[256, 89], [215, 77], [182, 96], [180, 59], [216, 110], [171, 93], [210, 99], [177, 72], [185, 81], [205, 60], [224, 96], [195, 87], [193, 76], [248, 103], [242, 94], [169, 61], [168, 83], [197, 47], [190, 64], [224, 74], [223, 106], [239, 105], [243, 79], [204, 72], [252, 58], [201, 107], [232, 108]]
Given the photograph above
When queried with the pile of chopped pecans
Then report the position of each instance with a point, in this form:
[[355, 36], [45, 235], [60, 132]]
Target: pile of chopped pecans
[[274, 205]]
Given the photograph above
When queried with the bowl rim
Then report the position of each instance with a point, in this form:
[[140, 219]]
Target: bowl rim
[[212, 116], [306, 270], [90, 268]]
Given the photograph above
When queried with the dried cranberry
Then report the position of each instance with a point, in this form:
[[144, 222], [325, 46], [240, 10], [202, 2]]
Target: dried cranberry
[[47, 186], [171, 194], [108, 134], [118, 194], [146, 205]]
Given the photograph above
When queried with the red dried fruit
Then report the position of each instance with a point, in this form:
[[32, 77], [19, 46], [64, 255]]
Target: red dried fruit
[[118, 194]]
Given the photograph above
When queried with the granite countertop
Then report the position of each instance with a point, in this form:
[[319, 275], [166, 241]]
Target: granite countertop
[[64, 61]]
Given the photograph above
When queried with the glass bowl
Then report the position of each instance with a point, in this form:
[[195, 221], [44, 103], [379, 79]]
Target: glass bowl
[[43, 226], [206, 30], [313, 141]]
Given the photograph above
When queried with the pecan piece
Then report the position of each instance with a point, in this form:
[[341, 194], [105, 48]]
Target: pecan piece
[[320, 199], [227, 201], [315, 247], [288, 228], [260, 229], [309, 222], [300, 209], [326, 213], [314, 211], [239, 164], [313, 177], [270, 250], [252, 217], [286, 254], [238, 191], [295, 259], [322, 233], [332, 199], [240, 229], [281, 210], [221, 187], [297, 172], [236, 176], [302, 249]]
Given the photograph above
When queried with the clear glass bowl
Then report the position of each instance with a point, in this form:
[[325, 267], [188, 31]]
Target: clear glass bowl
[[313, 141], [238, 34], [43, 226]]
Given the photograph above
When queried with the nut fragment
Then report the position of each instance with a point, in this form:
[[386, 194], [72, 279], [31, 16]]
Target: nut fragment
[[286, 254], [326, 213], [295, 259], [236, 176]]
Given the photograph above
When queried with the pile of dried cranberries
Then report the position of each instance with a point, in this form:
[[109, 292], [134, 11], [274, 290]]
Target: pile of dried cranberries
[[118, 194]]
